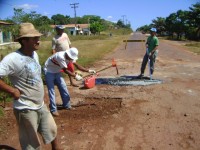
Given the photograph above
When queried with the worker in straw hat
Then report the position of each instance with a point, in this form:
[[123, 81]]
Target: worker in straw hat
[[53, 65], [24, 71]]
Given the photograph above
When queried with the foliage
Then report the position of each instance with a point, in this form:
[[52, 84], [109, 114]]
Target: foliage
[[60, 19], [96, 27], [42, 23], [159, 24], [180, 23], [5, 96]]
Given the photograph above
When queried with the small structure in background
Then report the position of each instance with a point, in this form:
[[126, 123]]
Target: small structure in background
[[5, 37], [79, 29]]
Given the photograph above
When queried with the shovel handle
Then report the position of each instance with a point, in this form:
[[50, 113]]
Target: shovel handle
[[98, 71]]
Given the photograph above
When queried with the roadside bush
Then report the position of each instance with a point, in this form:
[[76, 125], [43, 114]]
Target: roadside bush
[[4, 97]]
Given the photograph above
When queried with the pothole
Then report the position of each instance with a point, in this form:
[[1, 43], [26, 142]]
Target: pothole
[[128, 81], [93, 108]]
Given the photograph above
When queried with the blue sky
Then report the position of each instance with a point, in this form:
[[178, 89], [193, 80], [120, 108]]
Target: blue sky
[[137, 12]]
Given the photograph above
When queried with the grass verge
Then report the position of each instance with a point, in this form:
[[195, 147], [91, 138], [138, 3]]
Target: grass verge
[[194, 47]]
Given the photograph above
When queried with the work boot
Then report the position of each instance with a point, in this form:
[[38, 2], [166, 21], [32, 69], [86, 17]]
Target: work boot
[[140, 76], [70, 108], [55, 114]]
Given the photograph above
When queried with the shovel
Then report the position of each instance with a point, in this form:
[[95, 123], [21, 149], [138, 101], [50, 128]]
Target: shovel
[[89, 80]]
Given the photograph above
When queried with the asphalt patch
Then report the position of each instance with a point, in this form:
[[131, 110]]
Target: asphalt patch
[[128, 81]]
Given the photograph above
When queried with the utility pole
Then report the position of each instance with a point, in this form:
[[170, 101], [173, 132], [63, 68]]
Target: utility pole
[[123, 16], [74, 5], [88, 26]]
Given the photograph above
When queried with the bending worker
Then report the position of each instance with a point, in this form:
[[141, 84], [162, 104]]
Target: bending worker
[[52, 68]]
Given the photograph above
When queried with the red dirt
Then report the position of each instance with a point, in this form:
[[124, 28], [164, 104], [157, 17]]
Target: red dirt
[[164, 116]]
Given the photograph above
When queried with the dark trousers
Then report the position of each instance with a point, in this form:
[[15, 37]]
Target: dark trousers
[[152, 62]]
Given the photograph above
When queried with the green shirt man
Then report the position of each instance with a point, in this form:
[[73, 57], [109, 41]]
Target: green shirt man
[[151, 53]]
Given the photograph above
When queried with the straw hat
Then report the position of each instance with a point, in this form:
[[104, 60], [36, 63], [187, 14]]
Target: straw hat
[[27, 30]]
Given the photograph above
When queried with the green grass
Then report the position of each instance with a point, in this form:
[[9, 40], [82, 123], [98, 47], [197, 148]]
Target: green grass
[[194, 47], [91, 49]]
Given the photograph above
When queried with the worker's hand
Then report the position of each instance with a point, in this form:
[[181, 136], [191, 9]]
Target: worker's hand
[[16, 93], [92, 71], [78, 72], [150, 54], [78, 77]]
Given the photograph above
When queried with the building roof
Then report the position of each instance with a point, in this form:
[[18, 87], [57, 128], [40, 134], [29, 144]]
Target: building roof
[[73, 25], [5, 23]]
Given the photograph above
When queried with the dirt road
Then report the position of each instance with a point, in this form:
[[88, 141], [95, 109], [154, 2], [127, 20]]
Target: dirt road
[[155, 117]]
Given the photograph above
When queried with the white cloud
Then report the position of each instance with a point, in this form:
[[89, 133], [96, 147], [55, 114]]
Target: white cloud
[[26, 6], [46, 13], [109, 17], [114, 21]]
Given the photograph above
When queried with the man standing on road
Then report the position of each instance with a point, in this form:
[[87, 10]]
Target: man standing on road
[[53, 65], [61, 42], [24, 71], [151, 52]]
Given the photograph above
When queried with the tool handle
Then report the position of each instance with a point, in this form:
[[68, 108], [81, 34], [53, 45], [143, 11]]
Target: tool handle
[[98, 71], [104, 68]]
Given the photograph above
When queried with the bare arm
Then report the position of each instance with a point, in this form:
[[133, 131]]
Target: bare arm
[[68, 72], [154, 49], [81, 67], [14, 92], [53, 51]]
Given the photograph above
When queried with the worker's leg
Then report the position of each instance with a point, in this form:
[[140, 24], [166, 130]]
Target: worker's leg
[[50, 78], [152, 61], [47, 128], [60, 82], [144, 63]]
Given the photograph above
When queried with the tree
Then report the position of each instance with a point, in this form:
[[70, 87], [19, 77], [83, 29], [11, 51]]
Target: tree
[[96, 27], [159, 24], [177, 23], [120, 24], [60, 19], [43, 24], [144, 29], [194, 17], [170, 24], [19, 16]]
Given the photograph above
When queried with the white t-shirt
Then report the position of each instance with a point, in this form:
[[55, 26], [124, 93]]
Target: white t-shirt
[[61, 42], [56, 62], [24, 73]]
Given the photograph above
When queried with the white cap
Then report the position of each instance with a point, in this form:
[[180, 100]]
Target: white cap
[[60, 27], [72, 53], [153, 29]]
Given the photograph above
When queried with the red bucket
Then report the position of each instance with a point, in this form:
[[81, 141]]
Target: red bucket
[[89, 82]]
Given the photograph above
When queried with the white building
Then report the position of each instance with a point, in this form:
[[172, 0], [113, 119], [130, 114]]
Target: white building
[[5, 37], [78, 29]]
